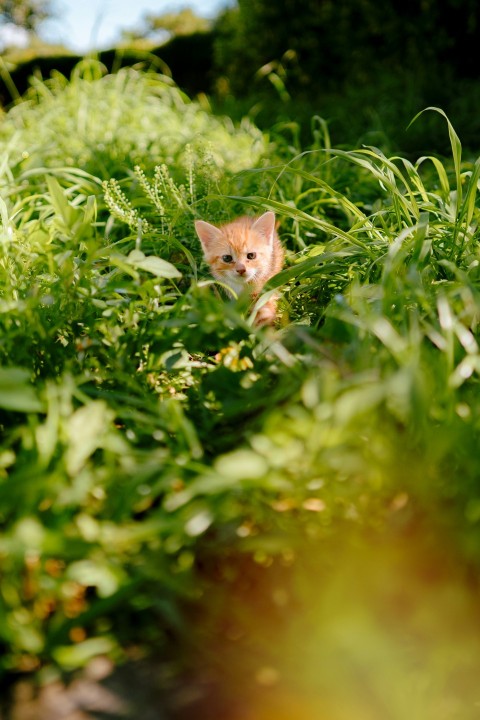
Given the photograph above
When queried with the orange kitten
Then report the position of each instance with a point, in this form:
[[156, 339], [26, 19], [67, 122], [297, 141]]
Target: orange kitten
[[244, 253]]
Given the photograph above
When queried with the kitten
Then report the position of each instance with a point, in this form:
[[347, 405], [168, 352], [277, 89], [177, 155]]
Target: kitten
[[244, 254]]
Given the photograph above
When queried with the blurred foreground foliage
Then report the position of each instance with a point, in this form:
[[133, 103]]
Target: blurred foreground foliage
[[156, 446]]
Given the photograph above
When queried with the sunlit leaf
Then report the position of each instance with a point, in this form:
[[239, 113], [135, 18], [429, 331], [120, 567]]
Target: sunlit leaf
[[86, 429], [153, 264], [242, 465], [96, 573], [78, 655], [16, 392]]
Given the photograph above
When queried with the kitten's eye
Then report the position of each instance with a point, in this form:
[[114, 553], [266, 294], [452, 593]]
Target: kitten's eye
[[227, 258], [251, 256]]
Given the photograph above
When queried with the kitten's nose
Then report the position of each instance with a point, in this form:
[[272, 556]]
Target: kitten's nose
[[240, 269]]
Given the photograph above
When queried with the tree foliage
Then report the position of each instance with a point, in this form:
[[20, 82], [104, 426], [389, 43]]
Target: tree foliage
[[27, 14], [184, 22], [332, 42], [171, 24]]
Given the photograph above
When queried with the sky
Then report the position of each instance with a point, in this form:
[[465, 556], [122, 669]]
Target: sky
[[84, 25]]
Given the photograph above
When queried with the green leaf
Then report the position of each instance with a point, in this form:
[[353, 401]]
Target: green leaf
[[74, 656], [4, 216], [153, 264], [16, 393], [242, 465], [96, 573], [60, 203], [86, 430], [456, 147]]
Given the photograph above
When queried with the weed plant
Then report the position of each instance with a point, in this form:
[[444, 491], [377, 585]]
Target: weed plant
[[160, 453]]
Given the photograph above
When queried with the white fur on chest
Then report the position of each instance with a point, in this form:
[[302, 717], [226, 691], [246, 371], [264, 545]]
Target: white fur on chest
[[238, 286]]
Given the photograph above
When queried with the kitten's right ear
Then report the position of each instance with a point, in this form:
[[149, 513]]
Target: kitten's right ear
[[207, 233], [265, 225]]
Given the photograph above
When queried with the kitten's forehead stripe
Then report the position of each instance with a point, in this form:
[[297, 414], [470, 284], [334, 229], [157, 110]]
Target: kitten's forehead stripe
[[237, 234]]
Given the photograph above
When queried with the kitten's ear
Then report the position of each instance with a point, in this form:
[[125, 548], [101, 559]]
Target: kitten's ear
[[265, 225], [207, 233]]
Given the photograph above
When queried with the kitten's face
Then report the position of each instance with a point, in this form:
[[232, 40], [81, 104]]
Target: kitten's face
[[239, 253]]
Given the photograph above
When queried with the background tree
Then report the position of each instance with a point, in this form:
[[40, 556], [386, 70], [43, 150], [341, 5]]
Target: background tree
[[350, 40], [27, 14], [184, 22], [172, 24]]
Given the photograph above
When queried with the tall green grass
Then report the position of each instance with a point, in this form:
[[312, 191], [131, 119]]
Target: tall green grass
[[157, 447]]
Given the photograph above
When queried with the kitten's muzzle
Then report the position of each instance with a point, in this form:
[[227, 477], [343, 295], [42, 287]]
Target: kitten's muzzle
[[240, 269]]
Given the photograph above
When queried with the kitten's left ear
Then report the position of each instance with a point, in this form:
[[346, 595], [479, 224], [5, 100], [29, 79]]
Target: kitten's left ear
[[207, 233], [265, 225]]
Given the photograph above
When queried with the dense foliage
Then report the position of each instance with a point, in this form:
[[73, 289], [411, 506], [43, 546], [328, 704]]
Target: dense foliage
[[363, 65], [157, 450], [329, 43]]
